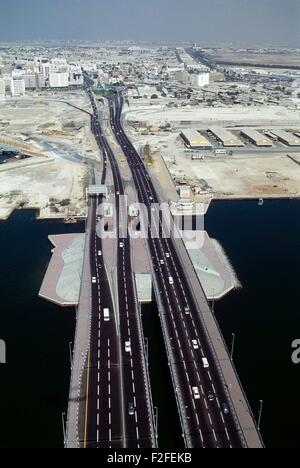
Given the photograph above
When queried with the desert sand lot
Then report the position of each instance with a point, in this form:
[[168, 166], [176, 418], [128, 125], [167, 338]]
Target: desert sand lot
[[55, 182], [265, 176]]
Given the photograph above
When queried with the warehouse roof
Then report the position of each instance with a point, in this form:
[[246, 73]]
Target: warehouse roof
[[287, 137], [260, 140], [227, 138], [196, 139]]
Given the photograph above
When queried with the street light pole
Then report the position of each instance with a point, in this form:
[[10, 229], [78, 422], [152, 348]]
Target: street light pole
[[213, 303], [64, 428], [260, 415], [232, 346], [71, 354], [147, 350]]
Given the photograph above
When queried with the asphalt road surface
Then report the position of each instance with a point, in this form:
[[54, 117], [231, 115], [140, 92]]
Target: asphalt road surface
[[119, 406]]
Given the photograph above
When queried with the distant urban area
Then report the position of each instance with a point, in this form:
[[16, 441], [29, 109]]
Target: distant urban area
[[105, 134]]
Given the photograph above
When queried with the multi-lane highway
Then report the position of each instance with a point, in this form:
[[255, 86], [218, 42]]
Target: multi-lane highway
[[119, 411], [208, 418]]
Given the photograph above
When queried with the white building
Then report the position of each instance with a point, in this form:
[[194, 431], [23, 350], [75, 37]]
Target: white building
[[45, 69], [2, 88], [200, 80], [59, 79], [17, 87]]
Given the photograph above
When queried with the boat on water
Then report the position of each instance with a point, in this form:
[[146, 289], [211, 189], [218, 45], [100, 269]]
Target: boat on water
[[260, 202]]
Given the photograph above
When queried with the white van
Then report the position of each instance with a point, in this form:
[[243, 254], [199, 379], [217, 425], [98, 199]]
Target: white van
[[106, 315]]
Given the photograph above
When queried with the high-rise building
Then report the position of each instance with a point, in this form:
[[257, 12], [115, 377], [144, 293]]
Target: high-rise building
[[59, 79], [34, 81], [199, 80], [17, 87], [76, 76], [2, 88]]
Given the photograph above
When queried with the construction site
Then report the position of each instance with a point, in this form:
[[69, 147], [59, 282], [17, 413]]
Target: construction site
[[46, 148]]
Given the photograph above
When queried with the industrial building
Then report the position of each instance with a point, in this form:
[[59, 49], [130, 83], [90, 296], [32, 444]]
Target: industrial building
[[287, 138], [256, 138], [195, 140], [226, 137]]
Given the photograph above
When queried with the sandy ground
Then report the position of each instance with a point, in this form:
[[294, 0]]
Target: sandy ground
[[248, 178], [262, 174], [241, 115], [56, 183]]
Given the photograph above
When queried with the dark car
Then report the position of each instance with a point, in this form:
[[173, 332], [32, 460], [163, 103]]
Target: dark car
[[131, 410], [225, 408], [210, 395]]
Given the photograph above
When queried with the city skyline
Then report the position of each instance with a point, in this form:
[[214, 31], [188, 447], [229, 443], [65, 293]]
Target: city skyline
[[266, 22]]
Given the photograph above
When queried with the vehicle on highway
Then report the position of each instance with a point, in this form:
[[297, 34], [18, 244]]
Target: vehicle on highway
[[106, 315], [171, 281], [100, 253], [195, 344], [122, 245], [196, 393], [94, 280], [168, 255], [210, 396], [225, 409], [131, 410], [205, 363], [128, 347], [187, 311], [161, 262]]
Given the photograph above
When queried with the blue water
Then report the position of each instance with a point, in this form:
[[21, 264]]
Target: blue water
[[263, 244], [35, 381]]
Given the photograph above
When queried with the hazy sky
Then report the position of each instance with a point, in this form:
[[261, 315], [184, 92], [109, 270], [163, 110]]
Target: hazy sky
[[249, 21]]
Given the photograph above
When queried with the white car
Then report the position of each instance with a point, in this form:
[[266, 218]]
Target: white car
[[122, 245], [195, 344], [94, 280], [171, 281], [196, 393], [168, 255], [205, 363], [128, 347], [162, 262], [100, 253], [106, 315]]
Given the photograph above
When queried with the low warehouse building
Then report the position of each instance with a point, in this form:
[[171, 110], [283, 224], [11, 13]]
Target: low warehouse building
[[195, 140], [226, 137], [256, 138], [287, 138]]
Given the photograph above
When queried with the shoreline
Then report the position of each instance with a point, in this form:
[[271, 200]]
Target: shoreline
[[78, 220]]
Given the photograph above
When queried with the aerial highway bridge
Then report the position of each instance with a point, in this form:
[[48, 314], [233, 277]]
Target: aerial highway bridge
[[207, 414], [118, 410]]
